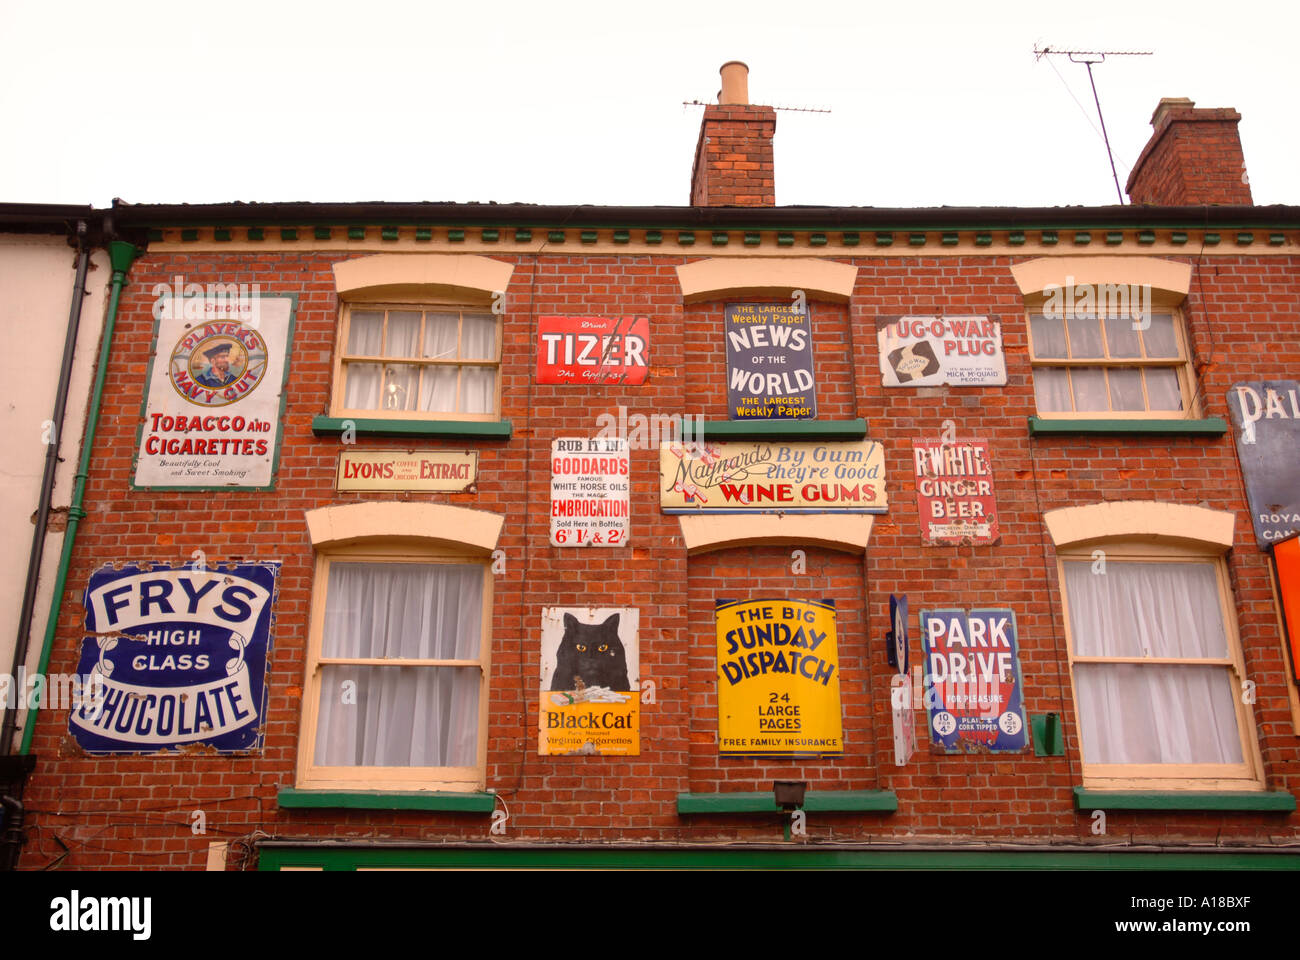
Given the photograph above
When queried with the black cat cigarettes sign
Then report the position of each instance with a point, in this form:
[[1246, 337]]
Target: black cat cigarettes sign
[[590, 698]]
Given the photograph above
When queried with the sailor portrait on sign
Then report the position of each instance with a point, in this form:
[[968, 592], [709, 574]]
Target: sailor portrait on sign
[[217, 363], [217, 372]]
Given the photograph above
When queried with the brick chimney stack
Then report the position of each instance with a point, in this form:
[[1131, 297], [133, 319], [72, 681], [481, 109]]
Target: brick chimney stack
[[1193, 157], [733, 158]]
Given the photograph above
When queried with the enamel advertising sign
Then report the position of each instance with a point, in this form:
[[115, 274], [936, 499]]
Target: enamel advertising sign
[[924, 351], [445, 471], [211, 417], [972, 676], [1266, 418], [778, 677], [590, 491], [590, 700], [180, 656], [900, 691], [590, 350], [769, 362], [763, 477], [954, 491]]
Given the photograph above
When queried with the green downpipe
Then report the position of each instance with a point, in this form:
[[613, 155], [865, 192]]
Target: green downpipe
[[122, 255]]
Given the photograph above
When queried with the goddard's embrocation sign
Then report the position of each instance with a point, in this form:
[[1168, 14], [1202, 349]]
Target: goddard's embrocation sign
[[180, 654], [590, 491], [924, 351], [954, 491], [972, 676], [762, 477], [590, 698], [590, 350], [778, 677], [769, 362], [211, 415], [445, 471], [1266, 415]]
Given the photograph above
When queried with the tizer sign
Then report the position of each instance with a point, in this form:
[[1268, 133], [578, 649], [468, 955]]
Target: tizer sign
[[591, 350]]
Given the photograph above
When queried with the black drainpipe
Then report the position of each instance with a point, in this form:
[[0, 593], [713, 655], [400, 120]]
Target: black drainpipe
[[47, 490]]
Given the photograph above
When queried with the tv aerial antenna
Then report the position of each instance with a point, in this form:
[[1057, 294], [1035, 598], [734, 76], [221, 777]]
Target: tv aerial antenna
[[1088, 58], [701, 103]]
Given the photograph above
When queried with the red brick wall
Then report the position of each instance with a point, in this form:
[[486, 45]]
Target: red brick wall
[[1194, 156], [733, 159], [136, 812]]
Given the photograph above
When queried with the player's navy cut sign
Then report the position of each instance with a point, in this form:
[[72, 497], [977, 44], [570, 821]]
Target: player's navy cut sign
[[180, 656], [974, 691]]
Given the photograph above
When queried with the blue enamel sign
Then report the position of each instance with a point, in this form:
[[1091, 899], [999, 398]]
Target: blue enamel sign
[[974, 692], [177, 658]]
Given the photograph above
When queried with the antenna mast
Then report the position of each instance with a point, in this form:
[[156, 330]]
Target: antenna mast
[[1088, 58]]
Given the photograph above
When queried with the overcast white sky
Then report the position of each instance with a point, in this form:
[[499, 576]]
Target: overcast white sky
[[933, 103]]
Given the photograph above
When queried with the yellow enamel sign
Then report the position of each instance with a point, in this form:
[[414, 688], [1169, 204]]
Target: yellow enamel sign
[[778, 677]]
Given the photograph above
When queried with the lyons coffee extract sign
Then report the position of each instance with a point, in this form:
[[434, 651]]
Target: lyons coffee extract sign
[[180, 655], [1266, 421], [769, 362], [591, 350], [211, 416], [442, 471], [590, 491], [954, 491], [590, 699], [925, 351], [778, 677], [762, 477], [974, 691]]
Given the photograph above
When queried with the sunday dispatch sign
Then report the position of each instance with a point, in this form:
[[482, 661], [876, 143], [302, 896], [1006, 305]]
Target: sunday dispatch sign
[[778, 677]]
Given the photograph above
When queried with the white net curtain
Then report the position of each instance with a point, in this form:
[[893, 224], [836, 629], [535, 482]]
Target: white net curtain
[[1151, 713], [401, 716], [419, 336], [1083, 388]]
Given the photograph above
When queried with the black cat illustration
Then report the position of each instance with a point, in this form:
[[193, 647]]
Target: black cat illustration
[[591, 653]]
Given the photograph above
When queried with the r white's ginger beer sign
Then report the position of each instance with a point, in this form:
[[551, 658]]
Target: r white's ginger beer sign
[[763, 477]]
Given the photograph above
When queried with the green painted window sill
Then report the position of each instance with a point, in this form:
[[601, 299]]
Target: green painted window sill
[[815, 801], [290, 798], [1267, 800], [335, 426], [1208, 427], [777, 429], [350, 855]]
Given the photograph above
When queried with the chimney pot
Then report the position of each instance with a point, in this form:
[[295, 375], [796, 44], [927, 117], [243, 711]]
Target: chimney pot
[[733, 156], [735, 83], [1169, 103]]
